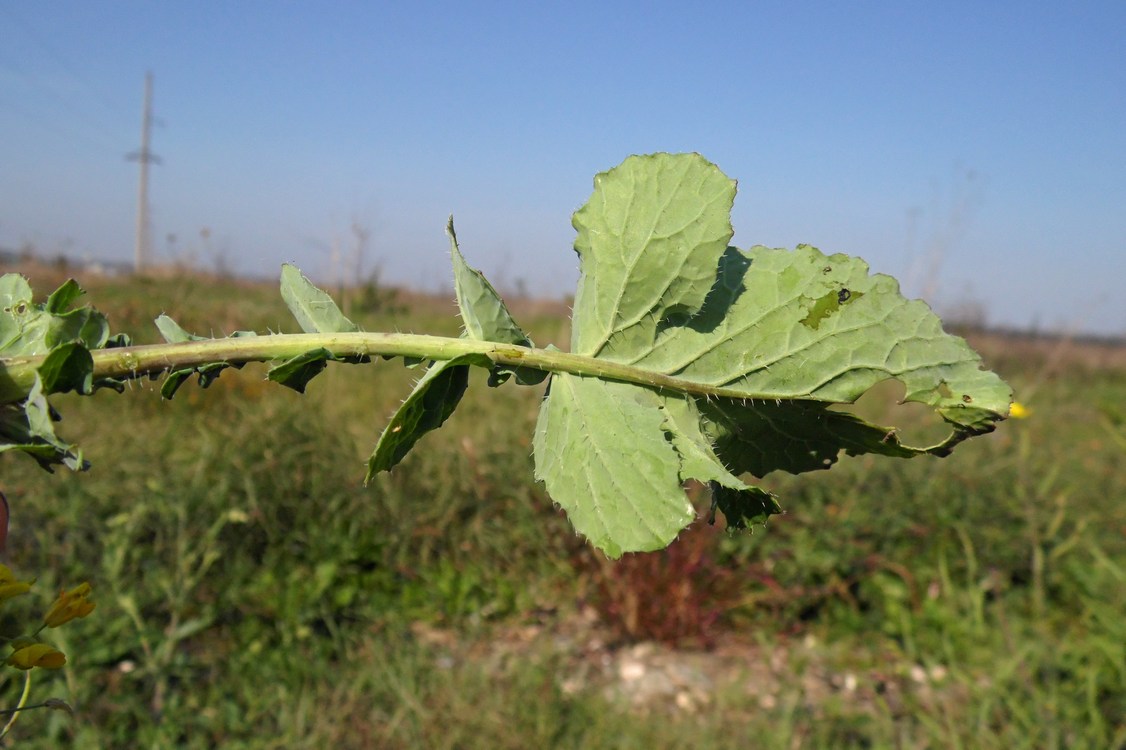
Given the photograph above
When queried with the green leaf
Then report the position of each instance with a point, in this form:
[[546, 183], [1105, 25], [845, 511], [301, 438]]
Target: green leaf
[[483, 312], [741, 503], [802, 325], [616, 455], [28, 329], [63, 339], [208, 373], [698, 459], [788, 331], [485, 315], [68, 367], [433, 400], [792, 436], [649, 239], [438, 392], [173, 381], [296, 373], [62, 297], [742, 510], [172, 332], [601, 451], [14, 289], [314, 309], [28, 427]]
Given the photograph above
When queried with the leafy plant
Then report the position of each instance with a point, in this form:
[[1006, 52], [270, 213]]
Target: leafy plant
[[690, 360]]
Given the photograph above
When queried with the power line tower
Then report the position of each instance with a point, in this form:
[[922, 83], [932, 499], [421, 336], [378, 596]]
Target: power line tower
[[145, 156]]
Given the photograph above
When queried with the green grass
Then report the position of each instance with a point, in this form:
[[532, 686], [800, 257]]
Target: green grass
[[252, 594]]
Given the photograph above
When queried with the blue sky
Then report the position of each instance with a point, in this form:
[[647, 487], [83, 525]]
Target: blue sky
[[976, 151]]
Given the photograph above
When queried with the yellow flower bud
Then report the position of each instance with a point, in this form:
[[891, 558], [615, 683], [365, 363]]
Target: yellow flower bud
[[9, 586], [1019, 411], [69, 605]]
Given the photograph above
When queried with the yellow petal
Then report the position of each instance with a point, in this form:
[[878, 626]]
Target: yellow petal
[[37, 655]]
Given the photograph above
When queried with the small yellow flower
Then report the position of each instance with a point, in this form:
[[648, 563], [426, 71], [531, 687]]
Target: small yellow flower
[[9, 586], [1019, 411], [37, 655], [69, 605]]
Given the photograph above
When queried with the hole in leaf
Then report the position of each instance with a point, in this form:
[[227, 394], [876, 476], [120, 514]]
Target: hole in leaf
[[912, 422]]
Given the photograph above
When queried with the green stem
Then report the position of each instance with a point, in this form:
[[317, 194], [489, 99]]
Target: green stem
[[20, 706], [18, 373]]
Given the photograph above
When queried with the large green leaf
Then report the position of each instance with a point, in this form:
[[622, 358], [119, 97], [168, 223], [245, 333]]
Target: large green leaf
[[601, 450], [782, 333], [649, 239], [792, 324]]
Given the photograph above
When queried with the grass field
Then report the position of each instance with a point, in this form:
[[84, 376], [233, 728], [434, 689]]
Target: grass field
[[252, 594]]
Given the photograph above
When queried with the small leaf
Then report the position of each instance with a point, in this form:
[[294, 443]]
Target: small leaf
[[742, 510], [697, 459], [296, 373], [209, 373], [485, 316], [62, 297], [173, 381], [433, 400], [172, 332], [742, 504], [118, 340], [68, 367], [483, 312], [314, 309]]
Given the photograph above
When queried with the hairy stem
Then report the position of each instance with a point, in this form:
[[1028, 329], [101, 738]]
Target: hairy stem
[[18, 373]]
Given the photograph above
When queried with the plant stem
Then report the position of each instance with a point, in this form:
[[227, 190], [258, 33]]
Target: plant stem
[[20, 706], [17, 374]]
